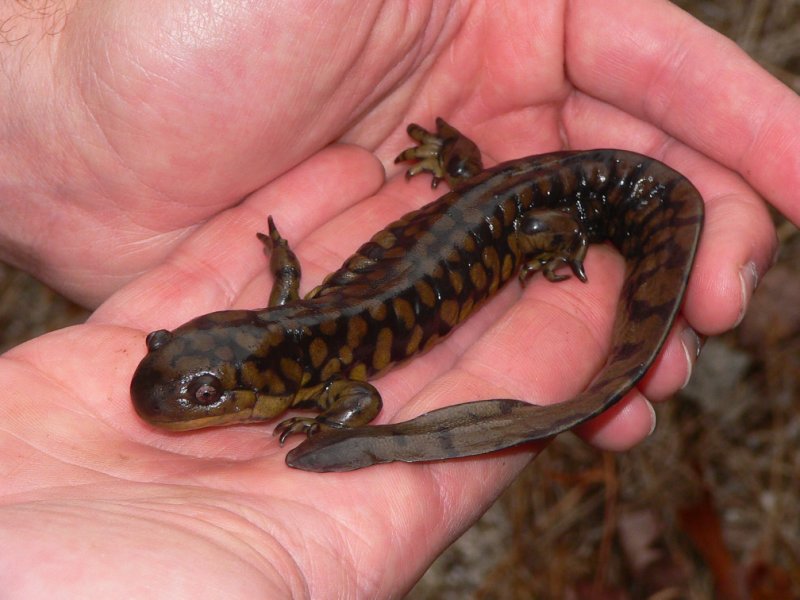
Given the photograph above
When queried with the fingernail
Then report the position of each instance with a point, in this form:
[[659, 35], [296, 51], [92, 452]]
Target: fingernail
[[653, 419], [748, 280], [691, 344]]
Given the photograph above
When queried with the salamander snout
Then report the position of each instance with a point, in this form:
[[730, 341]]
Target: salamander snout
[[188, 381]]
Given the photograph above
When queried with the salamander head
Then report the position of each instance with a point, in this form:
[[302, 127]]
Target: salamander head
[[204, 374]]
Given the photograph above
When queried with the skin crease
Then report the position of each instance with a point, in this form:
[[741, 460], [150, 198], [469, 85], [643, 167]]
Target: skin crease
[[130, 135]]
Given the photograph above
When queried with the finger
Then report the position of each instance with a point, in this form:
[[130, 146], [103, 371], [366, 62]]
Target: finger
[[738, 242], [633, 418], [675, 363], [209, 270], [622, 426], [658, 63]]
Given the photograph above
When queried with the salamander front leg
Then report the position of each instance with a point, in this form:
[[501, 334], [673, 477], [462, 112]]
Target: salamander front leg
[[447, 154], [283, 265], [346, 403], [551, 239]]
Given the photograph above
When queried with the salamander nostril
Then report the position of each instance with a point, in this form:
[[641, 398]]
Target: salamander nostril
[[158, 338]]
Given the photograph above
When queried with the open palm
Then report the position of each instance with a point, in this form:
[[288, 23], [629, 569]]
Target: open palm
[[163, 121]]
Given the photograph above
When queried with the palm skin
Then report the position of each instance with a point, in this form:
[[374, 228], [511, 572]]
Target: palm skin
[[157, 122]]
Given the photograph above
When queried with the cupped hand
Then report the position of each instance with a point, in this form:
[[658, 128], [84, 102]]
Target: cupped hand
[[138, 131]]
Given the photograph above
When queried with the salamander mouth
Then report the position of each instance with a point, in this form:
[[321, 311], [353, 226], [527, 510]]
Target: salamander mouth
[[243, 416]]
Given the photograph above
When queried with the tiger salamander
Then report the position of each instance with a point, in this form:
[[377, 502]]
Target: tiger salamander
[[411, 285]]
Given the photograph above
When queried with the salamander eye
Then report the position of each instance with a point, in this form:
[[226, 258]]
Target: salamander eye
[[205, 390]]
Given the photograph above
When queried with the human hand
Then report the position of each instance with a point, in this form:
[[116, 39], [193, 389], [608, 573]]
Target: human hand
[[218, 508]]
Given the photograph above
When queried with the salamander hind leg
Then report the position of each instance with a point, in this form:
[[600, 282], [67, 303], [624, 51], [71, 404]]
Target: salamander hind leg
[[283, 265], [550, 239], [446, 154], [346, 403]]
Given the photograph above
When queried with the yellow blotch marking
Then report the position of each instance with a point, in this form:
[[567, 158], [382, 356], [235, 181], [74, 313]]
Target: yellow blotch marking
[[414, 340], [346, 354], [509, 211], [426, 294], [190, 362], [225, 317], [545, 185], [383, 349], [446, 221], [492, 263], [356, 328], [466, 309], [275, 384], [508, 267], [331, 368], [456, 281], [359, 372], [449, 312], [431, 342], [477, 275], [469, 243], [490, 258], [252, 377], [203, 342], [378, 312], [404, 312], [384, 239], [227, 375], [224, 353], [427, 238], [275, 337], [525, 197], [410, 231], [291, 370], [359, 263], [247, 340], [472, 215], [268, 406], [318, 350], [396, 252], [328, 327]]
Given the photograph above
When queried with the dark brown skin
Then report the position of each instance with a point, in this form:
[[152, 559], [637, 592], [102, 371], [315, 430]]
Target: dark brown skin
[[415, 281]]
